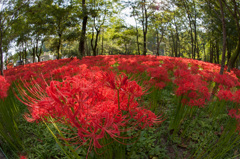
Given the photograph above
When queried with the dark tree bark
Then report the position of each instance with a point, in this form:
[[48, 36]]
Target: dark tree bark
[[145, 26], [40, 52], [211, 52], [102, 42], [158, 45], [59, 45], [235, 12], [136, 27], [224, 45], [95, 43], [217, 52], [83, 32], [25, 52], [195, 32], [37, 50], [229, 50], [1, 52], [191, 29], [175, 40], [33, 50], [234, 56]]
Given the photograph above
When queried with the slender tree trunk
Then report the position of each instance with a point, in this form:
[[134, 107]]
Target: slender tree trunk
[[174, 44], [1, 51], [59, 45], [204, 52], [224, 46], [145, 27], [40, 53], [138, 45], [94, 45], [191, 34], [92, 41], [228, 51], [102, 41], [217, 52], [25, 52], [33, 49], [195, 31], [157, 51], [198, 55], [37, 49], [144, 43], [137, 36], [234, 56], [193, 53], [88, 49], [96, 41], [177, 38], [211, 52], [83, 32]]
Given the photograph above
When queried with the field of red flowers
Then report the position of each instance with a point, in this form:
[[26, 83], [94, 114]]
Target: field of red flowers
[[120, 107]]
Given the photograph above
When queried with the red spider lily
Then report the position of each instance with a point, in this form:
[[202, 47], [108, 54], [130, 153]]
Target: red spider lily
[[192, 88], [4, 85], [225, 95], [160, 73], [22, 157], [227, 80], [96, 103]]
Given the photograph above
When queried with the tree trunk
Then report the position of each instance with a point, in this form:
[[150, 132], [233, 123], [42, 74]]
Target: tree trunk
[[145, 25], [25, 52], [229, 50], [38, 57], [224, 46], [59, 45], [211, 52], [157, 51], [1, 52], [204, 52], [94, 45], [102, 41], [144, 43], [234, 56], [137, 36], [138, 45], [37, 49], [83, 32], [191, 34], [177, 38], [193, 53], [217, 52], [195, 31], [33, 49]]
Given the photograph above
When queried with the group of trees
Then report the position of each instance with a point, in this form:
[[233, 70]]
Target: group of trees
[[200, 29]]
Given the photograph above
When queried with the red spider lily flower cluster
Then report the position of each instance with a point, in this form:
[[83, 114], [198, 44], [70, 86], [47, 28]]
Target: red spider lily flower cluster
[[93, 102], [225, 95], [104, 103], [226, 80], [4, 85], [193, 90], [228, 95]]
